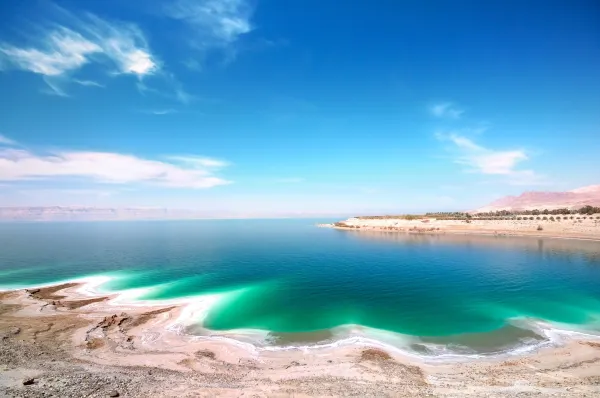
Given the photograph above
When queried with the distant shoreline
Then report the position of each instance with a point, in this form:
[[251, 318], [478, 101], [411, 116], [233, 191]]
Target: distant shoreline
[[589, 230]]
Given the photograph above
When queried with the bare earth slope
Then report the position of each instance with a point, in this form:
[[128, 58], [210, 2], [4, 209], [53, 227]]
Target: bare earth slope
[[547, 200]]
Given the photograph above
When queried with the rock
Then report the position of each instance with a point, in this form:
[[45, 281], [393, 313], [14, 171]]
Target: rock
[[113, 394], [293, 363], [14, 330], [28, 381], [33, 291]]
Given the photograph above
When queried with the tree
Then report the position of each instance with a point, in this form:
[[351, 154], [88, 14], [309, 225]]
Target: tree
[[589, 210]]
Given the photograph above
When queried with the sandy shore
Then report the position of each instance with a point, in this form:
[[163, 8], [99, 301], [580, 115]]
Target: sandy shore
[[58, 341], [588, 229]]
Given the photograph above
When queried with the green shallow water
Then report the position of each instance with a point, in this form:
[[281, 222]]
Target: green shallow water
[[299, 282]]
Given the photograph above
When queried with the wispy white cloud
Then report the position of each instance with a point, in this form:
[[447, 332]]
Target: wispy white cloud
[[62, 51], [161, 112], [175, 92], [183, 96], [487, 161], [193, 64], [107, 167], [56, 85], [48, 191], [478, 159], [123, 43], [216, 24], [88, 83], [446, 110], [4, 140], [200, 161]]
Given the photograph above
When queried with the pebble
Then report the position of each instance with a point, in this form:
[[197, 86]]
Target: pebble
[[14, 330], [28, 381], [113, 394]]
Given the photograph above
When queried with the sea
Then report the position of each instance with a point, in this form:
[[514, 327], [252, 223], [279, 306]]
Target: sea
[[282, 284]]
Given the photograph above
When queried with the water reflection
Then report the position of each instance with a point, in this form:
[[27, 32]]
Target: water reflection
[[587, 250]]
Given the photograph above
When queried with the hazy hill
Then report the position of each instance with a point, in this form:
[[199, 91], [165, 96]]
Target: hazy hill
[[576, 198], [75, 213]]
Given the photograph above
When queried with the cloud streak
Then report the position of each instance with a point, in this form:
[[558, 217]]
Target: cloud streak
[[49, 191], [62, 51], [446, 110], [4, 140], [478, 159], [160, 112], [215, 24], [122, 43], [109, 168], [88, 83], [200, 161]]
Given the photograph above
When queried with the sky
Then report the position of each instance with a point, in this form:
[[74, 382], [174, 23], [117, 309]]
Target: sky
[[299, 107]]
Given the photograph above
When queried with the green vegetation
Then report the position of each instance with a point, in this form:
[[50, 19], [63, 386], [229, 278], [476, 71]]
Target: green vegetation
[[448, 215], [344, 225], [589, 210], [535, 214], [392, 217]]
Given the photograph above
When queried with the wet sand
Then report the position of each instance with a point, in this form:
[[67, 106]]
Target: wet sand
[[61, 342]]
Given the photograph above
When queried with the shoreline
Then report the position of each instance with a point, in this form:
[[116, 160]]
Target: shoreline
[[71, 295], [476, 232], [79, 292], [104, 332], [590, 231]]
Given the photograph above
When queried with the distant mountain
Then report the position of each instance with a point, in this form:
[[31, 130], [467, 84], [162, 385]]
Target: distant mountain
[[576, 198], [82, 213], [76, 213]]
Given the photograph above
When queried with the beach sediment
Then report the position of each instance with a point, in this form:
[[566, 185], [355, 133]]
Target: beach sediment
[[584, 229], [71, 344]]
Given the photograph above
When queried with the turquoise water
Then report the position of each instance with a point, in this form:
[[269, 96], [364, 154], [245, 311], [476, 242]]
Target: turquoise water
[[301, 283]]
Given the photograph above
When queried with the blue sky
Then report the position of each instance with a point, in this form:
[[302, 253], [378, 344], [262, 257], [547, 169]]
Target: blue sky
[[266, 107]]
